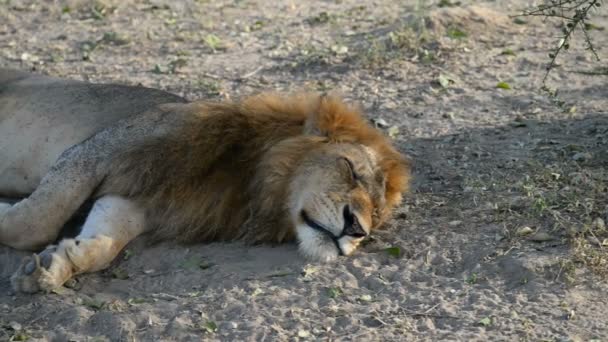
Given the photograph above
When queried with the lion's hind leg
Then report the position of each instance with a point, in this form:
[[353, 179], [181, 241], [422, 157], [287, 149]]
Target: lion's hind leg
[[112, 223]]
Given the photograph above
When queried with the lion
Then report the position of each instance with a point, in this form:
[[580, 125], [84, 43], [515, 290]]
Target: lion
[[269, 168]]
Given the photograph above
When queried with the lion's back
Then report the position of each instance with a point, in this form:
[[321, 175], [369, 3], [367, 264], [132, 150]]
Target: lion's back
[[40, 117]]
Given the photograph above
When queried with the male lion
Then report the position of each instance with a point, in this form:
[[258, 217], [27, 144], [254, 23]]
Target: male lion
[[270, 168]]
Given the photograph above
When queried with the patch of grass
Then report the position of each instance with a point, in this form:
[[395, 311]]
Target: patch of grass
[[213, 42], [99, 10], [334, 292], [393, 251], [313, 55], [409, 41], [456, 33], [210, 87], [114, 38], [321, 18], [486, 321], [472, 279], [210, 327]]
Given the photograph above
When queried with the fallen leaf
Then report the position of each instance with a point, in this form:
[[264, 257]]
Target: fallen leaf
[[394, 251], [334, 292], [210, 327], [393, 131], [487, 321], [136, 301], [503, 85], [445, 81]]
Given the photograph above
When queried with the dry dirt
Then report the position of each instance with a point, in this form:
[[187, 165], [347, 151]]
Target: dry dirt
[[502, 238]]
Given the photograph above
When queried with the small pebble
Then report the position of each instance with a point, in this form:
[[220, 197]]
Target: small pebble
[[524, 231]]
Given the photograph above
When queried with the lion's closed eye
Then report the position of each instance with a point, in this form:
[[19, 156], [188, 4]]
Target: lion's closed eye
[[350, 167]]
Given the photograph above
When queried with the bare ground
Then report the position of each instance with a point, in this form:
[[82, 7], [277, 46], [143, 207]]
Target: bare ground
[[502, 238]]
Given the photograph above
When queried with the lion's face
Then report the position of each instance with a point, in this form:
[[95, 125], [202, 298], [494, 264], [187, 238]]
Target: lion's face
[[336, 197]]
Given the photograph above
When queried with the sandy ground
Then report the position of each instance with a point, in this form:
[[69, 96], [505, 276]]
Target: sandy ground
[[502, 238]]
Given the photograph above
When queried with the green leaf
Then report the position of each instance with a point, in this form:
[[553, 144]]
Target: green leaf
[[508, 52], [20, 337], [136, 301], [393, 251], [487, 321], [519, 21], [334, 292], [444, 80], [210, 327], [456, 33], [503, 85], [472, 279], [213, 41]]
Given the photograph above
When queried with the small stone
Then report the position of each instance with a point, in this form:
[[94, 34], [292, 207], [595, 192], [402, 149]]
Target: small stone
[[524, 231], [454, 223], [339, 49], [365, 298], [303, 333], [581, 156]]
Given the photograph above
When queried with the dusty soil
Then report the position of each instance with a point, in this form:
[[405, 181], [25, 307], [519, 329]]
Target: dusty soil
[[502, 238]]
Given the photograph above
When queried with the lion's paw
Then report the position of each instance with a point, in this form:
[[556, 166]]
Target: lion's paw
[[42, 272]]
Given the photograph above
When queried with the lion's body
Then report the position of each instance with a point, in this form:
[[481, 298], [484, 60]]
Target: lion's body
[[41, 117], [263, 170]]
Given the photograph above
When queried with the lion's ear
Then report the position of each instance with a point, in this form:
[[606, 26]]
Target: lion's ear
[[312, 126]]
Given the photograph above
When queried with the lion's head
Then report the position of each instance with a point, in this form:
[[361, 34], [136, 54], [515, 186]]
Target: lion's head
[[269, 168], [343, 177]]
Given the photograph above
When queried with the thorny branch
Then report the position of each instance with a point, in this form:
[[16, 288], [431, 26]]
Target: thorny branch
[[576, 15]]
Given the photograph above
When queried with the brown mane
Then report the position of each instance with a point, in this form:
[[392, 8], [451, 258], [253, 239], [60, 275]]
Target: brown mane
[[223, 174]]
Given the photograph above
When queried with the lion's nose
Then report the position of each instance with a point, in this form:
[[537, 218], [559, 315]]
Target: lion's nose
[[352, 227]]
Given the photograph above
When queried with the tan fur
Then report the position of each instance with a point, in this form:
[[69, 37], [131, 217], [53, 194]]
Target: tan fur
[[224, 174]]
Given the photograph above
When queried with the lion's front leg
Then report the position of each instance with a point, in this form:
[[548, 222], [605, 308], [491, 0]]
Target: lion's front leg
[[112, 223], [36, 221]]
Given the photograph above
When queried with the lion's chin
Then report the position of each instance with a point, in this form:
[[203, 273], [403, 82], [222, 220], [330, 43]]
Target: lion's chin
[[315, 245]]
